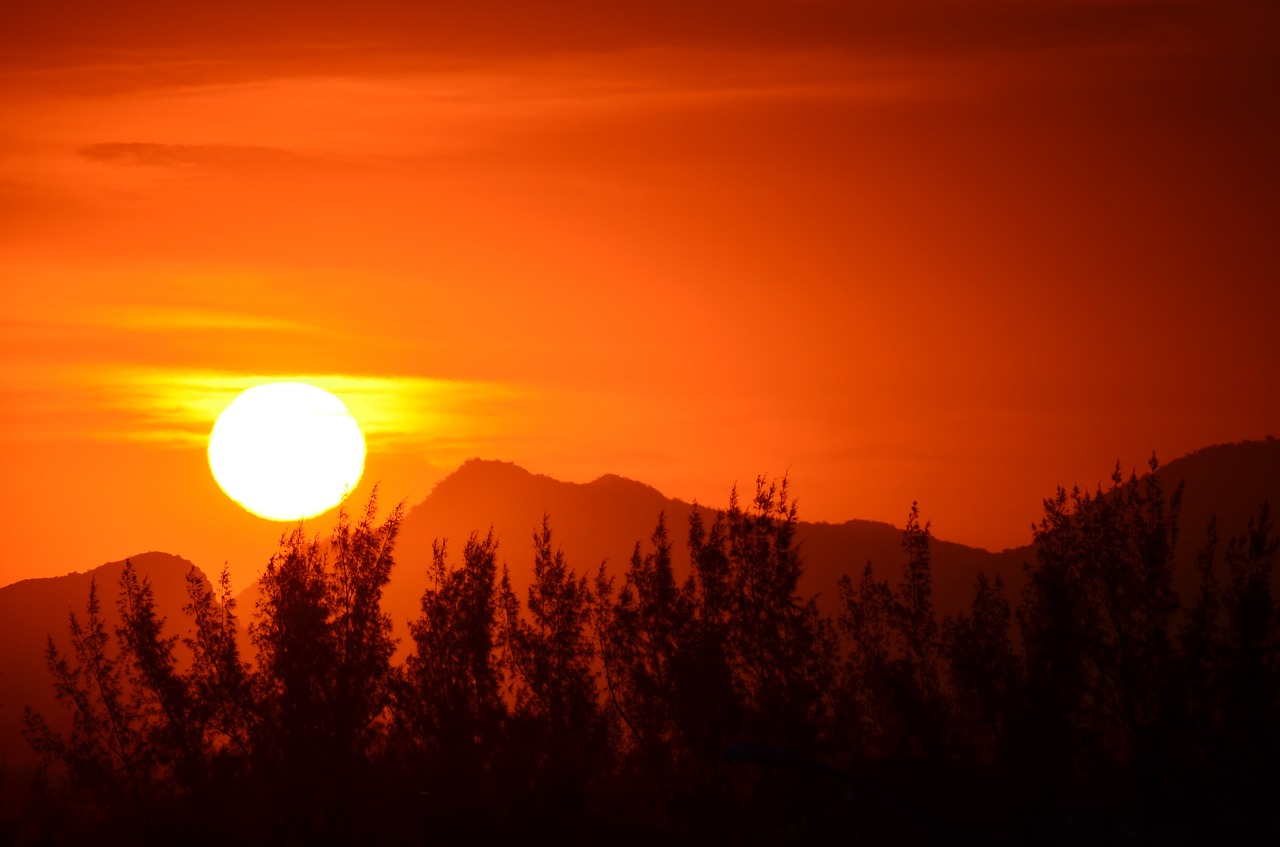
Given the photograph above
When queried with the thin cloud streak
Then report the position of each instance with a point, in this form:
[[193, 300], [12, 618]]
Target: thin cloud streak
[[177, 408], [185, 155], [387, 34], [188, 319]]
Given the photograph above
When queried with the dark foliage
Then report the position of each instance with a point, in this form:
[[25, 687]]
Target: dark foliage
[[716, 705]]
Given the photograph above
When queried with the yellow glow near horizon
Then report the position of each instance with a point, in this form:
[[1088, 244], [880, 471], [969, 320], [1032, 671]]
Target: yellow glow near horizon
[[286, 451]]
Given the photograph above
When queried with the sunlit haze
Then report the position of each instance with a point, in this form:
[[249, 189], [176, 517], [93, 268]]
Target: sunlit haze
[[953, 253]]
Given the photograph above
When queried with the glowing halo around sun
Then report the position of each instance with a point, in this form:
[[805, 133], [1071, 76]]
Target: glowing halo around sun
[[286, 451]]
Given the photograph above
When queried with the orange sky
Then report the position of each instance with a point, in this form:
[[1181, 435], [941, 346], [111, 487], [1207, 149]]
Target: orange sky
[[953, 252]]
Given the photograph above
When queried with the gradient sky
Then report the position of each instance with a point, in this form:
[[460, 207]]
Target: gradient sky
[[959, 252]]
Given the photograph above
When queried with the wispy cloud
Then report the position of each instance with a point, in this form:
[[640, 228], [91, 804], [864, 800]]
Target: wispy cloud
[[107, 327], [186, 155], [387, 33], [177, 407], [143, 318]]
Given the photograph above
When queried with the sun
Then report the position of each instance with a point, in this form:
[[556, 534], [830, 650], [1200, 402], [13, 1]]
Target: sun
[[286, 451]]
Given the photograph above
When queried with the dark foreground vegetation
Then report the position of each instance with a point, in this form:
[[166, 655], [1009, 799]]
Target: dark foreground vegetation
[[631, 706]]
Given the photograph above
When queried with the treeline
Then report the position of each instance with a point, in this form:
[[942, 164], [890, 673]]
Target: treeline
[[635, 706]]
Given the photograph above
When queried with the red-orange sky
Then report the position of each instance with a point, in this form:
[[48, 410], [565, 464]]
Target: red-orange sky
[[957, 252]]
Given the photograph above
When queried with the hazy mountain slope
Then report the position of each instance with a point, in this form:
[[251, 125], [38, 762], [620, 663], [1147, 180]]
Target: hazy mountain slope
[[1227, 480], [601, 521]]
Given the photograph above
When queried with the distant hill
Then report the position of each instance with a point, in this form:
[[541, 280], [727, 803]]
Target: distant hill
[[1229, 480], [33, 609], [601, 521]]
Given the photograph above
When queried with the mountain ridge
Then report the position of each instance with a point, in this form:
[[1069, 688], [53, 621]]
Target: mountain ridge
[[1230, 480]]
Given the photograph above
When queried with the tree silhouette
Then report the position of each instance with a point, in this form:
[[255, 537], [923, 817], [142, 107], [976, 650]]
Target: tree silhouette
[[174, 736], [913, 616], [892, 693], [106, 754], [869, 714], [1247, 739], [650, 708], [985, 674], [710, 708], [557, 731], [220, 681], [1252, 638], [640, 633], [449, 705], [295, 656], [783, 650], [361, 629], [321, 682], [1096, 621], [134, 741]]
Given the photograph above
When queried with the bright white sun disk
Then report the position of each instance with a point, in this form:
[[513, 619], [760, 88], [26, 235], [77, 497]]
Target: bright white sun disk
[[286, 451]]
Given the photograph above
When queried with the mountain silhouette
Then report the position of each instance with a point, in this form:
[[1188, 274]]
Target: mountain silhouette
[[1230, 481], [602, 520]]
